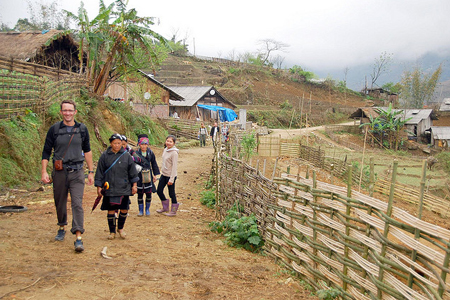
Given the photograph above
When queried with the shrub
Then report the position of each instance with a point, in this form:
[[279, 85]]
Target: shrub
[[208, 199], [286, 105], [328, 294], [248, 144], [240, 231]]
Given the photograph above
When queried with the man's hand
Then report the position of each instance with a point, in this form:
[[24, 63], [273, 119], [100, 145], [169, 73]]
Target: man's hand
[[45, 178], [90, 178]]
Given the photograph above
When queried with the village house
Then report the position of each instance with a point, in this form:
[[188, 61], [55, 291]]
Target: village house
[[146, 94], [440, 136], [198, 95], [51, 48], [382, 94], [420, 120]]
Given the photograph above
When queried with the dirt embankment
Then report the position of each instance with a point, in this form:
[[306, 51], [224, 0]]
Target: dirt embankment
[[162, 257]]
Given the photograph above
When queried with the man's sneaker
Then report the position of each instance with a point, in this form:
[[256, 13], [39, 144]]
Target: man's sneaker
[[78, 245], [60, 235]]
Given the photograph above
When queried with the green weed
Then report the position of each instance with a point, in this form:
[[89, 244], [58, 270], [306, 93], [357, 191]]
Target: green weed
[[328, 294], [208, 199], [240, 231]]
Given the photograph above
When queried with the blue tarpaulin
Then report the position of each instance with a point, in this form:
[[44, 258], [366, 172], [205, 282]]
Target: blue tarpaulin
[[225, 114]]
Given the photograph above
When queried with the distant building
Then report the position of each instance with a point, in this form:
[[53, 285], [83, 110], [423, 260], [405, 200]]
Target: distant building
[[194, 95], [440, 136], [150, 97], [421, 120], [382, 94], [51, 48]]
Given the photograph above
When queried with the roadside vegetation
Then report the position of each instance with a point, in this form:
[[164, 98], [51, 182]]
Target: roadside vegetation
[[23, 136]]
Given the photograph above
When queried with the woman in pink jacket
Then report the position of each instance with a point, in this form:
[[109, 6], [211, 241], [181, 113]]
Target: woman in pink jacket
[[168, 177]]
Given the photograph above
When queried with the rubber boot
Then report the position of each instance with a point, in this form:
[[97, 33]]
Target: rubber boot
[[173, 211], [141, 210], [165, 206], [147, 208]]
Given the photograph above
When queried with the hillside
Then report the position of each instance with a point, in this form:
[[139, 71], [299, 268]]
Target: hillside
[[255, 88]]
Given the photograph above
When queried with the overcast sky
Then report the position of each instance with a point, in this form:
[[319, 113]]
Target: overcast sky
[[322, 34]]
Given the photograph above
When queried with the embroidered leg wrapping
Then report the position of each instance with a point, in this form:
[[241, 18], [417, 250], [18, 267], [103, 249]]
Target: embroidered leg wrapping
[[112, 223], [121, 220]]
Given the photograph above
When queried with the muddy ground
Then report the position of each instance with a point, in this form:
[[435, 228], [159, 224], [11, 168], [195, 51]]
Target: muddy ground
[[161, 258]]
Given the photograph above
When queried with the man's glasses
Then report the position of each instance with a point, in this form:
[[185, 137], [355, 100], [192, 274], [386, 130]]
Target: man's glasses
[[67, 110]]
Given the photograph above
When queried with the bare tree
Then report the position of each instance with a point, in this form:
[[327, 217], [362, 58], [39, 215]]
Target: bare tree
[[278, 61], [381, 66], [269, 46], [345, 76], [232, 54]]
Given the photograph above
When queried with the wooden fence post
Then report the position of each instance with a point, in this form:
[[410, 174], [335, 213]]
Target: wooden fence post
[[347, 223], [419, 215], [386, 225]]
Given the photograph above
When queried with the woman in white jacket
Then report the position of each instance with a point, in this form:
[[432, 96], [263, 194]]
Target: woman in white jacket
[[168, 177]]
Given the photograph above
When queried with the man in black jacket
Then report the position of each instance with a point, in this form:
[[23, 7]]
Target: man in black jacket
[[70, 143]]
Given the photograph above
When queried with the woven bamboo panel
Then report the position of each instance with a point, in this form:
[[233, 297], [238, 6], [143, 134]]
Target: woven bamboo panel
[[21, 92], [359, 244]]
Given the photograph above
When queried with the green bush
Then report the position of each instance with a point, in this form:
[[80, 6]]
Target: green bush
[[240, 231], [328, 294], [444, 161], [286, 105], [248, 144], [208, 198]]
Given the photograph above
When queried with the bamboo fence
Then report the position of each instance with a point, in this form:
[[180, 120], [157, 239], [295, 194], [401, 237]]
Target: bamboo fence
[[332, 236], [21, 92], [15, 65], [340, 168]]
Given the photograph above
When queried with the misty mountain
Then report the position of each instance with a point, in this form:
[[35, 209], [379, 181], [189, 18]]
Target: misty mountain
[[356, 76]]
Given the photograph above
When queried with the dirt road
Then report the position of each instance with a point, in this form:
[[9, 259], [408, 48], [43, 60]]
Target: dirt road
[[162, 257]]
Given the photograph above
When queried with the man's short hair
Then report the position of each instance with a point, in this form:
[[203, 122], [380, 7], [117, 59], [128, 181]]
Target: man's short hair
[[69, 102]]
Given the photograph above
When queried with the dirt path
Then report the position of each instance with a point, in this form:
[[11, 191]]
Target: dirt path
[[296, 133], [162, 257]]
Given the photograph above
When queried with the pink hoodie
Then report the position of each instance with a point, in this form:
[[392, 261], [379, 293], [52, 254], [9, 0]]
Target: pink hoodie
[[169, 163]]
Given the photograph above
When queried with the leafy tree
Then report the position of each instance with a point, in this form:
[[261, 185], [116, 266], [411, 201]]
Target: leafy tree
[[45, 15], [417, 87], [5, 28], [248, 144], [392, 87], [302, 74], [113, 38], [25, 25]]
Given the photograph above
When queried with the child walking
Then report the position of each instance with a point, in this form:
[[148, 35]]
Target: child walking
[[147, 176], [116, 179], [168, 177]]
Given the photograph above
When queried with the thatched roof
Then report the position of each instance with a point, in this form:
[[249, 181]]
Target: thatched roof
[[53, 48]]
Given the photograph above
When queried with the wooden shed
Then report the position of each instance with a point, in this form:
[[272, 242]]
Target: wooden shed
[[51, 48], [194, 95], [146, 94], [383, 94], [363, 114], [440, 136]]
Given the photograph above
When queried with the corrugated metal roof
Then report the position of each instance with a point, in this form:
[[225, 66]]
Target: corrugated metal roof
[[191, 94], [445, 105], [416, 115], [440, 132]]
